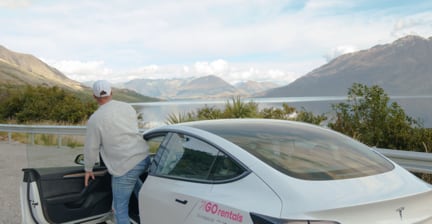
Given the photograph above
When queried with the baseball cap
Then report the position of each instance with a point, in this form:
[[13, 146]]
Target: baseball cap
[[101, 88]]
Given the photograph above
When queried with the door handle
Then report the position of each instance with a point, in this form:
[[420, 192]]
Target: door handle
[[181, 201]]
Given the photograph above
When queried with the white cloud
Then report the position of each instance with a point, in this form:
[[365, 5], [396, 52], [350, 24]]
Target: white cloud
[[232, 73], [315, 5], [340, 50], [419, 24], [216, 67], [83, 71], [14, 3], [235, 39]]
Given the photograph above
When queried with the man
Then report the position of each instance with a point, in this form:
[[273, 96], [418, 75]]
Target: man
[[112, 132]]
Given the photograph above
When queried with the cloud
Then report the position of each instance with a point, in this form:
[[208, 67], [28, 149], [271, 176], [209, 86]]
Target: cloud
[[235, 39], [213, 68], [338, 51], [14, 3], [419, 24], [232, 73], [319, 5], [83, 71]]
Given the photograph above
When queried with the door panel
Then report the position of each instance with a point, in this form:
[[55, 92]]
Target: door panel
[[63, 197], [163, 200]]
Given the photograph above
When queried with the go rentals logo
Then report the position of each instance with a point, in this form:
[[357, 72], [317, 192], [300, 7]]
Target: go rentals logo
[[217, 210]]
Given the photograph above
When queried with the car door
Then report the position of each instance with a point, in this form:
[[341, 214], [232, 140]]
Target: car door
[[180, 178], [56, 192], [56, 195], [168, 187], [180, 184]]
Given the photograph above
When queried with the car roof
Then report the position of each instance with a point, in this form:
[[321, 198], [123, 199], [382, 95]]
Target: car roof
[[250, 124]]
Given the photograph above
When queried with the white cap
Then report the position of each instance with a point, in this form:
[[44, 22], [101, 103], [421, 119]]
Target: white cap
[[101, 88]]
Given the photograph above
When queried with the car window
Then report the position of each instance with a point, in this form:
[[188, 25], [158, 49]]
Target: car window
[[225, 168], [156, 147], [187, 157], [304, 151], [154, 143]]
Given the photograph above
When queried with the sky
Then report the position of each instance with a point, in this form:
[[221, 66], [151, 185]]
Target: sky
[[237, 40]]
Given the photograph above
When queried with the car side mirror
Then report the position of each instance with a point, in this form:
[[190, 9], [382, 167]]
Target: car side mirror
[[79, 159]]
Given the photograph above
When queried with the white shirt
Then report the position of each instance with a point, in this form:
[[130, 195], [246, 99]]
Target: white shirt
[[113, 131]]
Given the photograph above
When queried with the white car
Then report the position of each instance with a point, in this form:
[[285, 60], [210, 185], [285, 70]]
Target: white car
[[234, 171]]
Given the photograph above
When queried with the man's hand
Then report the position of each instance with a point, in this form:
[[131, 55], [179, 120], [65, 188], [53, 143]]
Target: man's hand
[[88, 175]]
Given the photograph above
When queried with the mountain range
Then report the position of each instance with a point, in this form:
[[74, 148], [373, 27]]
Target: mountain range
[[401, 68], [207, 87]]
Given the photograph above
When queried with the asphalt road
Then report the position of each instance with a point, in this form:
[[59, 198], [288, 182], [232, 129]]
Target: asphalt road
[[12, 160]]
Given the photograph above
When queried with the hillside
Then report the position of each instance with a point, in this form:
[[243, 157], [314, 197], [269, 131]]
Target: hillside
[[210, 86], [17, 69], [401, 68], [253, 87], [206, 87], [24, 69]]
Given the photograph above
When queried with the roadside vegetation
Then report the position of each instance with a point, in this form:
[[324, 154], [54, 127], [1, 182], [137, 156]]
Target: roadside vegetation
[[38, 104], [367, 115], [44, 106], [236, 108]]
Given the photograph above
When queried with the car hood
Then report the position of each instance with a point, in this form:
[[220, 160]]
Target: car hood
[[303, 198]]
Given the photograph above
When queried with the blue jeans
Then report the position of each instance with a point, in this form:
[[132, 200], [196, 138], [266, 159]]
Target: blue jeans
[[122, 188]]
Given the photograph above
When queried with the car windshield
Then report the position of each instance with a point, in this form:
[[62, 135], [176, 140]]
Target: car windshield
[[301, 150]]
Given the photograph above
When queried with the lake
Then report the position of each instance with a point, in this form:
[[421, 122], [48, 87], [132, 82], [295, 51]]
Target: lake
[[156, 113]]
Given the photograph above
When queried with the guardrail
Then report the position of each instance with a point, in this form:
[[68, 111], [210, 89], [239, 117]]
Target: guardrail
[[419, 162], [42, 129]]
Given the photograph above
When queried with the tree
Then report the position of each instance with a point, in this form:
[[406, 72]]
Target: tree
[[309, 117], [34, 104], [369, 117]]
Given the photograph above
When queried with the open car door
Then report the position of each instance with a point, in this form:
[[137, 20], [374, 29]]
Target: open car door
[[57, 194]]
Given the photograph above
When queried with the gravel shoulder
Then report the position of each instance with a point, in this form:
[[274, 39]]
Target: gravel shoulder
[[12, 160], [16, 156]]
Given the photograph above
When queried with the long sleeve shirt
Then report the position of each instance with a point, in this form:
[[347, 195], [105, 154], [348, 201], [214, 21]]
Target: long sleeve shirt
[[112, 131]]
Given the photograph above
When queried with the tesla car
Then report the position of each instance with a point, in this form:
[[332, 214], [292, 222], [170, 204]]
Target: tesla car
[[234, 171]]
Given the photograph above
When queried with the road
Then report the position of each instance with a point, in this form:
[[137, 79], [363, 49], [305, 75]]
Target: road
[[12, 160]]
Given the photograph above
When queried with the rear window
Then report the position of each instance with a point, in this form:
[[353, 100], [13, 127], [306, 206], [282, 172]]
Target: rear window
[[302, 151]]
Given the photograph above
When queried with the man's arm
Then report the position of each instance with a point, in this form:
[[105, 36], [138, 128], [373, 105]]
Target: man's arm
[[87, 177], [91, 150]]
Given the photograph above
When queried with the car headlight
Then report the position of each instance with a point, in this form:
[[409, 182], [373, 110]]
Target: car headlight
[[262, 219]]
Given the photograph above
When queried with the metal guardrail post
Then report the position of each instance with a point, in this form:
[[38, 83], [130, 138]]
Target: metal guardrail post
[[32, 139], [59, 141]]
